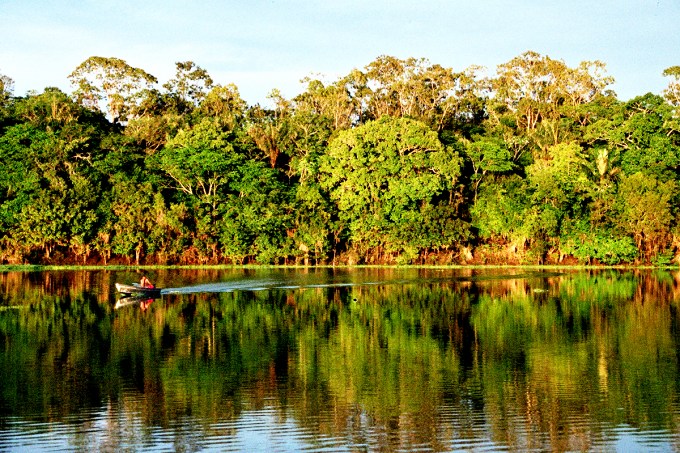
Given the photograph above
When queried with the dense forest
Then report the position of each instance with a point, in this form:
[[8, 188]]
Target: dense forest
[[401, 162]]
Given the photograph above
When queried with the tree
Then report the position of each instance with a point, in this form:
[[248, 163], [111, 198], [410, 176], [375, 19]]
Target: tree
[[339, 102], [191, 82], [254, 219], [638, 133], [645, 212], [51, 182], [603, 168], [82, 216], [135, 219], [388, 163], [312, 222], [381, 174], [560, 183], [672, 92], [112, 79], [267, 127], [224, 105], [200, 161], [304, 140], [157, 117], [19, 177], [499, 212], [395, 87], [6, 90], [487, 155], [587, 242], [543, 95], [42, 224], [672, 95], [458, 100], [415, 88], [559, 177]]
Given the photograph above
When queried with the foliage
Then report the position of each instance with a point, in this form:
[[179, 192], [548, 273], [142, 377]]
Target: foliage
[[401, 161], [381, 174], [501, 209], [112, 79], [602, 246], [646, 212]]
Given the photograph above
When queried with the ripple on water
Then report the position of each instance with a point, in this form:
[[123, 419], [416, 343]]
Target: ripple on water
[[628, 438], [266, 428], [20, 434], [459, 428]]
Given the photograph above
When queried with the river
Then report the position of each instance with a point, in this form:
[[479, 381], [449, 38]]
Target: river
[[363, 359]]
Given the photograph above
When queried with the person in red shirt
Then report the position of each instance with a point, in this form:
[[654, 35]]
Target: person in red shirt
[[145, 282]]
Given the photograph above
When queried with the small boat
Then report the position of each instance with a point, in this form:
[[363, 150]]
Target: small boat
[[137, 290]]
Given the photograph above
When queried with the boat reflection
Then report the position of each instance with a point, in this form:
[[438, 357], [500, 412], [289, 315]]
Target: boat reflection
[[142, 301]]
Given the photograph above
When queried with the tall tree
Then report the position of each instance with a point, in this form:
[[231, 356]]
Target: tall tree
[[51, 186], [159, 115], [6, 89], [415, 88], [224, 104], [486, 156], [672, 95], [340, 102], [639, 133], [267, 126], [672, 91], [110, 79], [191, 82], [199, 161], [540, 93]]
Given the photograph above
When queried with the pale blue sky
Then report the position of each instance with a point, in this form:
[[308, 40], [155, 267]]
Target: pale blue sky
[[260, 45]]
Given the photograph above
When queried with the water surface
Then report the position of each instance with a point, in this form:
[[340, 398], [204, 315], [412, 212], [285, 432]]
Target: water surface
[[341, 360]]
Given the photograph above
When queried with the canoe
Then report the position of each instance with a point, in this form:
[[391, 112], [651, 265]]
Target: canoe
[[137, 290]]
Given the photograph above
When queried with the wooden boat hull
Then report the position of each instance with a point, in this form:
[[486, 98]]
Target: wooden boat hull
[[137, 290]]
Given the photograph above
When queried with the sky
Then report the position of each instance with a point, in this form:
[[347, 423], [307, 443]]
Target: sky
[[261, 45]]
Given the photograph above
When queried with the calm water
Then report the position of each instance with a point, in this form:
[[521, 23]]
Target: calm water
[[341, 360]]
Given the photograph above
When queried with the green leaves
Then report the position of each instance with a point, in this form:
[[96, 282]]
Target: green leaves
[[672, 92], [6, 89], [110, 79], [199, 160], [645, 211], [191, 82], [391, 163], [380, 173], [558, 177], [500, 209], [598, 245], [487, 155]]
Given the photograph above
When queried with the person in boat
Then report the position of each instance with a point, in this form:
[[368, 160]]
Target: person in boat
[[145, 282]]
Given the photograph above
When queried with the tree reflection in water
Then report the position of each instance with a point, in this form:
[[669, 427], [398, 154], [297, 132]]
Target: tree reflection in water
[[461, 361]]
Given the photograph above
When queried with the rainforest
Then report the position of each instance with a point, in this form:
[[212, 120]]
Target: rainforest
[[401, 162]]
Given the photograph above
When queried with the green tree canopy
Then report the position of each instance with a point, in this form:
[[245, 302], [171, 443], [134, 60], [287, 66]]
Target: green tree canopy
[[200, 161], [110, 79], [381, 174], [645, 211]]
